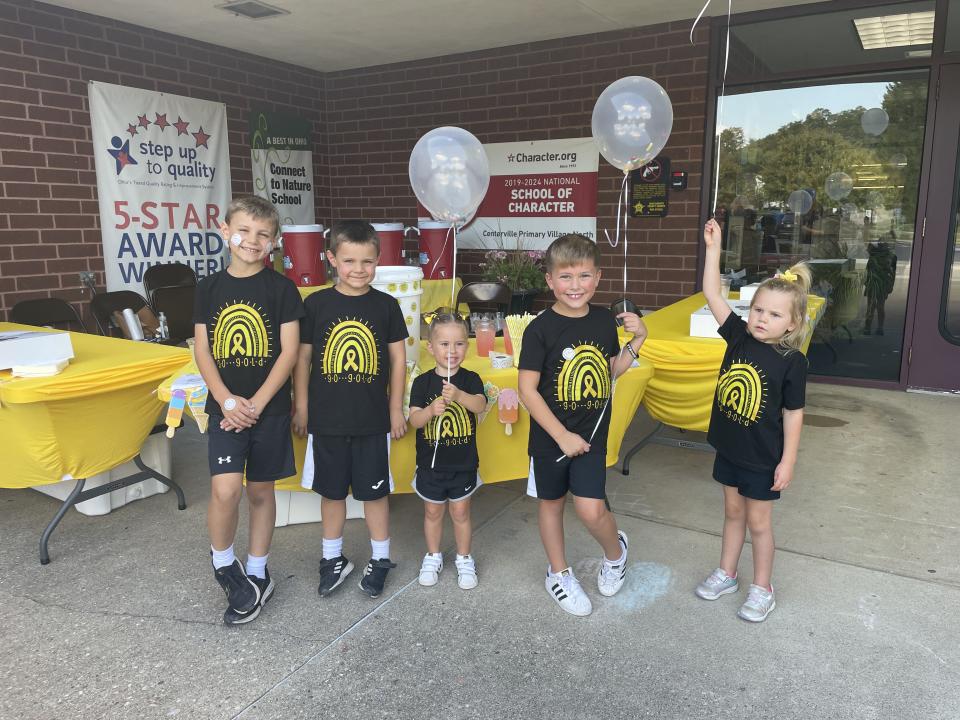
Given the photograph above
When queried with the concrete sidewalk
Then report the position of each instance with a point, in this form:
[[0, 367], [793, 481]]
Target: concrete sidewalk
[[125, 622]]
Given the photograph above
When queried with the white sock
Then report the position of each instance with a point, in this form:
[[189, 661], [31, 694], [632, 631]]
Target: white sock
[[557, 574], [623, 556], [462, 557], [257, 566], [380, 549], [222, 558], [332, 548]]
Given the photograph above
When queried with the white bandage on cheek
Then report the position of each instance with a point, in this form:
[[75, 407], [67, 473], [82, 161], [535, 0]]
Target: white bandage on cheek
[[235, 239]]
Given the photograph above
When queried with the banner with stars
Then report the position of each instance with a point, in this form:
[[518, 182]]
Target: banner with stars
[[163, 181], [539, 190]]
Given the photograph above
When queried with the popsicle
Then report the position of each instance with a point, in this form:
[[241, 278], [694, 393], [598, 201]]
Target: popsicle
[[178, 399], [197, 401], [508, 408]]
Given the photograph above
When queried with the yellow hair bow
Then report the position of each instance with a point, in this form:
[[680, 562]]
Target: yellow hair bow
[[788, 276]]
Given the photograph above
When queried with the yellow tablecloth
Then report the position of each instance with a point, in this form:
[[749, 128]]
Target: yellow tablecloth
[[681, 391], [502, 456], [90, 418], [436, 293]]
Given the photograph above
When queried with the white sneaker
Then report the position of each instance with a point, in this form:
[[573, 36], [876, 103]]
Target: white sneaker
[[565, 590], [466, 572], [430, 569], [610, 578]]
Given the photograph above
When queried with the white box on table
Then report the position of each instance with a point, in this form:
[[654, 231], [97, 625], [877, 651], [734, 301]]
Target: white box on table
[[294, 508], [32, 347], [155, 454], [747, 292], [703, 324]]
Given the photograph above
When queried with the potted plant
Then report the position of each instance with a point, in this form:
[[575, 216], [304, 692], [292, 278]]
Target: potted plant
[[521, 270]]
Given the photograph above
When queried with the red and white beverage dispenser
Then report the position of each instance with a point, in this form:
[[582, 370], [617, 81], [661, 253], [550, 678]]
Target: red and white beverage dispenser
[[436, 249], [391, 243], [302, 248]]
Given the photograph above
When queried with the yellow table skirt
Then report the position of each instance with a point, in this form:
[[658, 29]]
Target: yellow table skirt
[[92, 417], [681, 391], [502, 457], [436, 293]]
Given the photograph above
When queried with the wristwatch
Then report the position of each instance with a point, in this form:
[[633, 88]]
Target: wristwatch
[[229, 404]]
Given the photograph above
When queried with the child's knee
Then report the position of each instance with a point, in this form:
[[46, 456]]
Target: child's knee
[[259, 494], [226, 494], [433, 511], [460, 511], [591, 512]]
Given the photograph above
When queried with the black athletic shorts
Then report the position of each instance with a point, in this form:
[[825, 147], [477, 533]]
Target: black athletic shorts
[[264, 451], [351, 462], [584, 476], [437, 486], [753, 484]]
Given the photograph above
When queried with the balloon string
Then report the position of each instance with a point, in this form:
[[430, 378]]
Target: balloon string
[[443, 249], [626, 214], [723, 91], [453, 286]]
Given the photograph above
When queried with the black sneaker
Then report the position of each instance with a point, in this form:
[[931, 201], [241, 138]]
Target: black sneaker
[[375, 575], [266, 587], [333, 572], [243, 596]]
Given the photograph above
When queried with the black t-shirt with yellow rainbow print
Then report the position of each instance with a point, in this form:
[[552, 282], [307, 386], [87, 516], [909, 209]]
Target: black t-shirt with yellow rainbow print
[[756, 384], [350, 335], [457, 427], [243, 318], [572, 356]]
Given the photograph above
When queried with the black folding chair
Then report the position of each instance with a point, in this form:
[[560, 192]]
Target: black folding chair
[[167, 275], [47, 312], [103, 305], [176, 303]]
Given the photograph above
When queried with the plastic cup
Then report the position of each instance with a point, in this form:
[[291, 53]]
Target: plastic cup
[[725, 286]]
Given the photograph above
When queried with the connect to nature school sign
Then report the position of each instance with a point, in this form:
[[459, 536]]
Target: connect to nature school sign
[[163, 180]]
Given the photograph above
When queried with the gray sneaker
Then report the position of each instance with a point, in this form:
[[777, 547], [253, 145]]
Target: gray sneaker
[[760, 602], [716, 584]]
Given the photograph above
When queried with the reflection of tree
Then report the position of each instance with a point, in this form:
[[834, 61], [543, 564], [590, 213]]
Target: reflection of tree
[[906, 104]]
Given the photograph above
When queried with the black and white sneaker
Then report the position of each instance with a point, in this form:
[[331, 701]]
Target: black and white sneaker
[[611, 576], [375, 575], [266, 587], [333, 572], [565, 590], [243, 595]]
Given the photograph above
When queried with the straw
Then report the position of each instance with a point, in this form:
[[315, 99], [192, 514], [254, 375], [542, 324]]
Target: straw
[[517, 324]]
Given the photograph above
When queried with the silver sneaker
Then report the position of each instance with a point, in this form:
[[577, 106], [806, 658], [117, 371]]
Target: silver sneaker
[[610, 578], [760, 602], [716, 584]]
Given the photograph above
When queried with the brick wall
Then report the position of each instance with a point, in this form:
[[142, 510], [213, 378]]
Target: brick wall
[[528, 92], [365, 124], [49, 216]]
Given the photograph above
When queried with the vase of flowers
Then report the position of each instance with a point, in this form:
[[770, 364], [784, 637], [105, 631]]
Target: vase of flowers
[[521, 270]]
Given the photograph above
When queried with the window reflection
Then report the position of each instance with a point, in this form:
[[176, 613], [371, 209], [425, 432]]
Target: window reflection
[[829, 174]]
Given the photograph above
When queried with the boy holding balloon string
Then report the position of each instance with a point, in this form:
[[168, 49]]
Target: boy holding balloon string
[[569, 359]]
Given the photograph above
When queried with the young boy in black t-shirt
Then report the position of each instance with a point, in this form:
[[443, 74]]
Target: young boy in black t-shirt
[[351, 352], [444, 404], [247, 328], [569, 358]]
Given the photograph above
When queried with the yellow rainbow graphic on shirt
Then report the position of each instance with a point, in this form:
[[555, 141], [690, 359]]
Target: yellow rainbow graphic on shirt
[[240, 331], [454, 423], [740, 392], [350, 348], [586, 376]]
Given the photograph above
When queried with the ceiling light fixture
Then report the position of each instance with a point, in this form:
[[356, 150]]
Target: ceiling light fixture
[[252, 9], [887, 31]]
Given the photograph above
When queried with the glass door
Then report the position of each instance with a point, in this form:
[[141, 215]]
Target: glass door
[[827, 172], [934, 354]]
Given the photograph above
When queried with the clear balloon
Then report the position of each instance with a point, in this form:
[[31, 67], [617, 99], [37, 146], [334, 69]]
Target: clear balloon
[[449, 173], [800, 201], [838, 185], [874, 121], [632, 120]]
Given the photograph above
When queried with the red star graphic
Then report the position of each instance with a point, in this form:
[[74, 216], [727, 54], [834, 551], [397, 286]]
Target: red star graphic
[[132, 129], [123, 159], [161, 121], [201, 138], [181, 125], [143, 122]]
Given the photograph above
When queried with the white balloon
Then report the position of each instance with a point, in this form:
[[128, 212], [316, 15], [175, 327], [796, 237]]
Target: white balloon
[[449, 173], [632, 120], [800, 201], [874, 121], [838, 185]]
